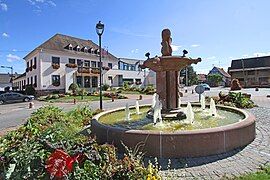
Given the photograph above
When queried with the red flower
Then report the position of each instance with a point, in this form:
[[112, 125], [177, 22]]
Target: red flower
[[59, 163]]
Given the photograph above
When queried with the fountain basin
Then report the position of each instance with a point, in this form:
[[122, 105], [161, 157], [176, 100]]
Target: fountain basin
[[187, 143]]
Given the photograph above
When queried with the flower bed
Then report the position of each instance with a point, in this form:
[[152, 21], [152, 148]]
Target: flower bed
[[51, 146]]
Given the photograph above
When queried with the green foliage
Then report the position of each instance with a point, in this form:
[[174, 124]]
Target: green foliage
[[214, 79], [30, 90], [192, 76], [105, 87], [24, 152], [263, 174], [73, 87], [240, 100]]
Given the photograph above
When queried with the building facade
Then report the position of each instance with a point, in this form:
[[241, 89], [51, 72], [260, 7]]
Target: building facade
[[251, 72], [226, 77], [63, 60]]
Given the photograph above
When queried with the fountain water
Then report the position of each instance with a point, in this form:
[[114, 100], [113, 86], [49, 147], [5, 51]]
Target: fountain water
[[179, 103], [137, 106], [156, 109], [213, 109], [189, 114], [154, 100], [127, 112], [202, 102]]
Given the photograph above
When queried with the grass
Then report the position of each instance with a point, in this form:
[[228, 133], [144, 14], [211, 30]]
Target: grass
[[263, 174], [127, 92], [68, 99]]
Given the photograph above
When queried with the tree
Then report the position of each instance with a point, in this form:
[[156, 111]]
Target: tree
[[73, 87], [214, 79], [192, 76], [30, 90]]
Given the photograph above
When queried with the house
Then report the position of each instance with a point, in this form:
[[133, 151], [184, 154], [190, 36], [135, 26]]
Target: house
[[62, 60], [251, 72], [6, 80], [19, 82], [226, 77], [202, 78]]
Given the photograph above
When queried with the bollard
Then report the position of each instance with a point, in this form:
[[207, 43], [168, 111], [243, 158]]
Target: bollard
[[31, 105], [74, 101], [186, 91], [140, 97], [192, 92], [256, 89], [112, 98]]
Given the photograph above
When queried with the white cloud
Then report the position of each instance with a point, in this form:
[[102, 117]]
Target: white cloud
[[261, 54], [14, 50], [12, 57], [175, 47], [3, 6], [211, 58], [135, 51], [6, 35], [38, 4], [195, 45]]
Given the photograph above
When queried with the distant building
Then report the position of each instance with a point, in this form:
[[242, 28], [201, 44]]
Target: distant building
[[226, 78], [251, 72], [202, 78], [6, 80], [19, 82], [62, 60]]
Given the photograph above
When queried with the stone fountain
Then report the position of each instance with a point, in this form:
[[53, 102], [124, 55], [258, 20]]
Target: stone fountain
[[167, 68]]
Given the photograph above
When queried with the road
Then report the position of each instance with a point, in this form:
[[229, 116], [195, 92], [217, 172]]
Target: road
[[13, 115]]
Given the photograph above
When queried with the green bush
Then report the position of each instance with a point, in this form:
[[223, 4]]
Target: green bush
[[73, 87], [105, 87], [30, 90]]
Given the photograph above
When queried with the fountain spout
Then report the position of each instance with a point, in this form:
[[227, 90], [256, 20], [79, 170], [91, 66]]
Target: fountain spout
[[213, 109], [127, 112], [203, 102], [190, 113], [137, 106]]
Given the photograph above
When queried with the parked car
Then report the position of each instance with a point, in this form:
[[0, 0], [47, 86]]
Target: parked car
[[10, 97], [206, 87]]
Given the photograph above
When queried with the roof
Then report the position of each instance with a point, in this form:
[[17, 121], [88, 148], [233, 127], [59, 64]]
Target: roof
[[130, 61], [60, 42], [255, 62], [21, 75], [5, 78], [222, 72], [202, 77]]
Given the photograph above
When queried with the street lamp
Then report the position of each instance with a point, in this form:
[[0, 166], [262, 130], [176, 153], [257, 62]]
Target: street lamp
[[11, 69], [100, 29]]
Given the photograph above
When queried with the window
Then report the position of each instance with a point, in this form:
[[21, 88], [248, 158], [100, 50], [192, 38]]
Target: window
[[86, 63], [78, 48], [31, 63], [31, 80], [55, 60], [79, 81], [94, 81], [71, 61], [85, 49], [87, 82], [56, 80], [28, 81], [35, 63], [110, 65], [99, 64], [79, 62], [28, 64], [132, 67], [93, 64], [70, 46], [35, 81], [251, 72]]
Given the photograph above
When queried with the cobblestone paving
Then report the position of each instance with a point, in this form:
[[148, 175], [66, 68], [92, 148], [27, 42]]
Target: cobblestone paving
[[230, 164]]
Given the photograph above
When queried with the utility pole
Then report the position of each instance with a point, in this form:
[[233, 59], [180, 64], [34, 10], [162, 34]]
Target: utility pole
[[244, 74], [186, 76], [11, 69]]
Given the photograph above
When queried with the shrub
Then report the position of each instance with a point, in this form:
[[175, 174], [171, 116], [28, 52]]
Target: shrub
[[105, 87], [30, 90], [73, 87], [235, 85]]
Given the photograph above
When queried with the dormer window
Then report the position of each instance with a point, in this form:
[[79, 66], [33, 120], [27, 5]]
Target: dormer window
[[85, 49], [77, 48], [70, 46]]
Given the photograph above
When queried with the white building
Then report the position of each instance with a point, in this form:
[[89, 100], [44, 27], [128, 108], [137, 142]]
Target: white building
[[62, 60]]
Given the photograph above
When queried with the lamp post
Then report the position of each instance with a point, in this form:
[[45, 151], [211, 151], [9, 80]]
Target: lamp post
[[99, 30], [11, 69]]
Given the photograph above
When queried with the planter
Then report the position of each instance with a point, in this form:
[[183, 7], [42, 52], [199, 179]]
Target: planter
[[69, 65], [56, 84], [56, 66], [34, 66], [95, 71]]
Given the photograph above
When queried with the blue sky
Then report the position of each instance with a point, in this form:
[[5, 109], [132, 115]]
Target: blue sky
[[216, 31]]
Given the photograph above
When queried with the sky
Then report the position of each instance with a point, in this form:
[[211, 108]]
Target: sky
[[217, 31]]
